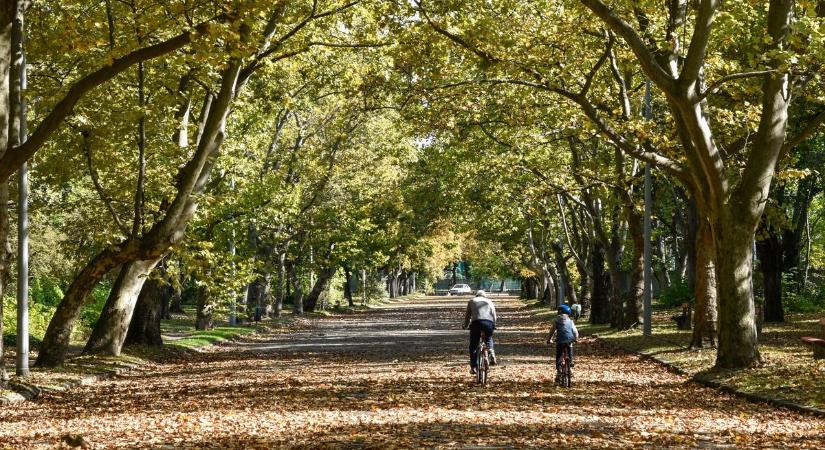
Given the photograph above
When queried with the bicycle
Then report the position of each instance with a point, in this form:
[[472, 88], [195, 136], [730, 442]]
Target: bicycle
[[482, 360], [564, 372]]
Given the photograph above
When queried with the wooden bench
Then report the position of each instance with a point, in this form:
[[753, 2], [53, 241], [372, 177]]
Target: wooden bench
[[818, 343]]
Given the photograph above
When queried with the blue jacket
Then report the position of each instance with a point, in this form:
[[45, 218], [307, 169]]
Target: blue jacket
[[566, 331]]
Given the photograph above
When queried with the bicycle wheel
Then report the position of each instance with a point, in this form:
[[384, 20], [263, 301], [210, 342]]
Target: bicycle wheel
[[565, 367], [479, 365], [484, 366]]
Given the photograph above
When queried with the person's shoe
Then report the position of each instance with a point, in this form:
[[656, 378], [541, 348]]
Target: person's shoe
[[473, 370], [558, 378], [493, 360]]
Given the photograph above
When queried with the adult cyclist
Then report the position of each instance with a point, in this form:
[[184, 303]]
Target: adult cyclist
[[480, 316], [566, 333]]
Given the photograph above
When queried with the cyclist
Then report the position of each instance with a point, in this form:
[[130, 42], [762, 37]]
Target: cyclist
[[566, 333], [576, 308], [480, 316]]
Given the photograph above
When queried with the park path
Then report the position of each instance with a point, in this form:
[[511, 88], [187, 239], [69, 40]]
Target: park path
[[396, 377]]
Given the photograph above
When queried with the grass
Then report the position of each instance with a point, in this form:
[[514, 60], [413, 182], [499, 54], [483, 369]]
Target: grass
[[788, 371], [180, 337], [201, 338]]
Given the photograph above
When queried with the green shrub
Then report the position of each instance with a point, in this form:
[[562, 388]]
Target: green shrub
[[811, 300], [91, 312], [676, 295], [46, 291], [39, 317]]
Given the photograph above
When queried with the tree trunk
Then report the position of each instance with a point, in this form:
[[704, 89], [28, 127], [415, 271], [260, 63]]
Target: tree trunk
[[170, 230], [176, 300], [110, 330], [6, 18], [664, 273], [564, 275], [5, 262], [704, 313], [279, 296], [738, 345], [691, 240], [297, 291], [348, 286], [203, 320], [600, 287], [616, 297], [144, 329], [364, 286], [633, 301], [769, 251], [529, 289], [55, 343], [319, 290]]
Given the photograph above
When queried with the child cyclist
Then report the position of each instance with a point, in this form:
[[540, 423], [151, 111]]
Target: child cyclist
[[566, 333]]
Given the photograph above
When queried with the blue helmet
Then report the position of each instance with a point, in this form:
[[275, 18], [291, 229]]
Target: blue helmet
[[564, 309]]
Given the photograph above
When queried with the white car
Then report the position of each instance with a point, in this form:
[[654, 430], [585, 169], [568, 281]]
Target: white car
[[461, 289]]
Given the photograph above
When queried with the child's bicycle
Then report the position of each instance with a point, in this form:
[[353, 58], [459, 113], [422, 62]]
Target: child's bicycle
[[482, 360], [564, 373]]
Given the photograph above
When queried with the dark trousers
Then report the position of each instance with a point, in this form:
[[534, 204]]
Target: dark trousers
[[559, 348], [475, 334]]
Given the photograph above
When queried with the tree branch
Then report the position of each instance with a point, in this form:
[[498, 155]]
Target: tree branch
[[646, 58], [87, 149], [736, 76], [12, 159], [695, 59], [806, 132]]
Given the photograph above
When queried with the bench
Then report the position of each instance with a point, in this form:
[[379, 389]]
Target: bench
[[683, 321], [818, 343]]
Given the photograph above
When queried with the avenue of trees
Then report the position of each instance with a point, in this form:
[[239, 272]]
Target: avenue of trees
[[260, 154]]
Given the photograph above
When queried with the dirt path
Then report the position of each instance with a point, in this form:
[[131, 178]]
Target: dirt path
[[398, 377]]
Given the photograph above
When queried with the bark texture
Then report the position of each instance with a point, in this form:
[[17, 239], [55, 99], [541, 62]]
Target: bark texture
[[110, 330], [704, 314], [144, 329]]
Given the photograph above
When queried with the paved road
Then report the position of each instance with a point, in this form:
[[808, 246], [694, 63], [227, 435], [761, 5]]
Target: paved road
[[397, 377]]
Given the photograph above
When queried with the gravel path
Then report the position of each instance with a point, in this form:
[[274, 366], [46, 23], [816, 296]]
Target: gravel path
[[397, 377]]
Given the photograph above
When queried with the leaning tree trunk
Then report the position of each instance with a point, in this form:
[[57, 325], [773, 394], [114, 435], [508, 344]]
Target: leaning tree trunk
[[170, 230], [704, 314], [771, 264], [110, 330], [144, 329], [319, 290], [55, 343], [738, 345]]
